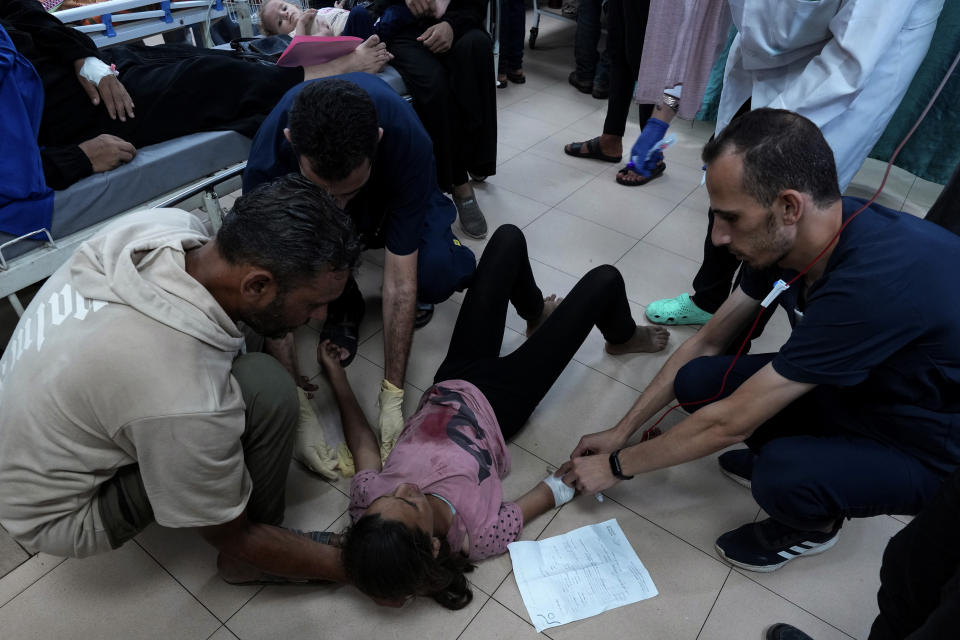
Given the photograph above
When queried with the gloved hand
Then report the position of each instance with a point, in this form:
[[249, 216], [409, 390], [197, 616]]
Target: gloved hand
[[391, 417], [310, 446], [345, 461]]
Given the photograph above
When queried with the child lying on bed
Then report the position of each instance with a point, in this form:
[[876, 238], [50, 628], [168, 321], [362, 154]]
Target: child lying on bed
[[281, 17], [437, 503]]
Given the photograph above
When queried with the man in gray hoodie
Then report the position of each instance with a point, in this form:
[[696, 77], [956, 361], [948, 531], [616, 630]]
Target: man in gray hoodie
[[124, 397]]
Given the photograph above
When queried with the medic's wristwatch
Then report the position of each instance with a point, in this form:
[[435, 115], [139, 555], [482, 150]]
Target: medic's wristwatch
[[615, 466]]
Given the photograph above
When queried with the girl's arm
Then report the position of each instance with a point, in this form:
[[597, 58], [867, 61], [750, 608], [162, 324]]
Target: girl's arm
[[536, 502], [360, 438]]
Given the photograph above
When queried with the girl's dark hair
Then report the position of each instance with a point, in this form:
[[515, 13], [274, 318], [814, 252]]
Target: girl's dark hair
[[386, 559]]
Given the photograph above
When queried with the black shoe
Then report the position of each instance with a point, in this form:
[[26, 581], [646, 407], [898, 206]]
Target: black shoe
[[768, 545], [601, 92], [583, 86], [424, 315], [738, 466], [783, 631]]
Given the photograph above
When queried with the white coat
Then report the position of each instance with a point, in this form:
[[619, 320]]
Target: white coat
[[844, 64]]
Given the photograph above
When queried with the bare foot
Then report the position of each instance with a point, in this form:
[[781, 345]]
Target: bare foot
[[645, 339], [550, 303]]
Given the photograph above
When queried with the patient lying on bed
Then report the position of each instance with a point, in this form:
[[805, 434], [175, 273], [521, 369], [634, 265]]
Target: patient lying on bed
[[94, 120], [282, 17]]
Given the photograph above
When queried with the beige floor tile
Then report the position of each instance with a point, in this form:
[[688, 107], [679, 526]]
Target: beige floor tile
[[539, 178], [694, 501], [676, 183], [526, 471], [521, 131], [550, 281], [502, 206], [652, 273], [687, 580], [915, 209], [346, 614], [553, 109], [745, 609], [514, 94], [428, 350], [553, 149], [581, 401], [193, 563], [124, 594], [563, 89], [633, 212], [506, 152], [838, 586], [574, 245], [223, 634], [19, 579], [681, 232], [496, 622], [12, 554]]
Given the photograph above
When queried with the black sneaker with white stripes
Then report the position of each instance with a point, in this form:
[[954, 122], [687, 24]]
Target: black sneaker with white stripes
[[768, 545]]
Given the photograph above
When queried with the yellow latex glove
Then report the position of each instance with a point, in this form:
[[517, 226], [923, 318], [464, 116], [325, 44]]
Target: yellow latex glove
[[345, 461], [391, 417], [310, 447]]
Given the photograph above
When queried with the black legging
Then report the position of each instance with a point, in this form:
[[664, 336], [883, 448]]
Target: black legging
[[627, 20], [516, 383]]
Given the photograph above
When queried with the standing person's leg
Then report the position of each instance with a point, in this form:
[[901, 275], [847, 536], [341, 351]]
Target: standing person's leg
[[272, 412], [503, 276], [513, 26], [919, 594], [627, 19], [585, 42]]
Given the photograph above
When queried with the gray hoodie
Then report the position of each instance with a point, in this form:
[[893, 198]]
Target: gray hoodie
[[121, 358]]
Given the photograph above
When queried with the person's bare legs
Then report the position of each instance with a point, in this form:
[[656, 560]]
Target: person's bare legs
[[550, 303], [646, 339]]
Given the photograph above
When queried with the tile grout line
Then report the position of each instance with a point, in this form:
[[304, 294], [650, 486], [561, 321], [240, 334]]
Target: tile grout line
[[714, 605], [39, 578]]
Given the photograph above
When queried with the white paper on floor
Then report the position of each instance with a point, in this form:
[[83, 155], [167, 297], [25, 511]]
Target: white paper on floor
[[579, 574]]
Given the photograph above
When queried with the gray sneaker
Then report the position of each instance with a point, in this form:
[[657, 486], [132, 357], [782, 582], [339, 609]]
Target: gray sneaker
[[471, 218]]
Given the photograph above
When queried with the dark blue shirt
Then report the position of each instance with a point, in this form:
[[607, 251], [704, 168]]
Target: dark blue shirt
[[881, 327], [391, 207]]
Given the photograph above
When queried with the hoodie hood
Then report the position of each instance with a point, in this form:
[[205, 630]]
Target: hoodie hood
[[140, 262]]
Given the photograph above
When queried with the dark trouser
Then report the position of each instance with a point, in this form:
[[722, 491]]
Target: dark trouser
[[919, 593], [626, 26], [946, 210], [809, 472], [176, 90], [514, 384], [272, 415], [454, 95], [359, 24], [590, 64], [513, 27], [711, 285]]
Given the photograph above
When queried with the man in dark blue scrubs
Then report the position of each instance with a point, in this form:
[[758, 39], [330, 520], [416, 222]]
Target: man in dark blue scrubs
[[859, 412], [360, 141]]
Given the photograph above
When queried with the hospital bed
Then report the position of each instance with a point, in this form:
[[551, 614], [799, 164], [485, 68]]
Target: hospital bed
[[188, 172]]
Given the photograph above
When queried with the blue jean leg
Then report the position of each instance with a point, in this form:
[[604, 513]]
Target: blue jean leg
[[444, 265]]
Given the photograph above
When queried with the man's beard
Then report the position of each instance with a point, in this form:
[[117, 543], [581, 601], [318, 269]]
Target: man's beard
[[269, 322]]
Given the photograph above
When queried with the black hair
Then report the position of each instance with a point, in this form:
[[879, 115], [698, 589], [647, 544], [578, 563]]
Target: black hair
[[291, 228], [781, 150], [333, 122], [387, 559]]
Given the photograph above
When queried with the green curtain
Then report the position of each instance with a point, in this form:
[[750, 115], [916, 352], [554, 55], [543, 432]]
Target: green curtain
[[934, 150]]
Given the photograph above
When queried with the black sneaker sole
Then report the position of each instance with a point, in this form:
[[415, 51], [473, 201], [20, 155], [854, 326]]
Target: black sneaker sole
[[769, 568], [740, 480]]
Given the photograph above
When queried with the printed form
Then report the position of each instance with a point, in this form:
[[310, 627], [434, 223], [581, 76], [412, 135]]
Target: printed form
[[579, 574]]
